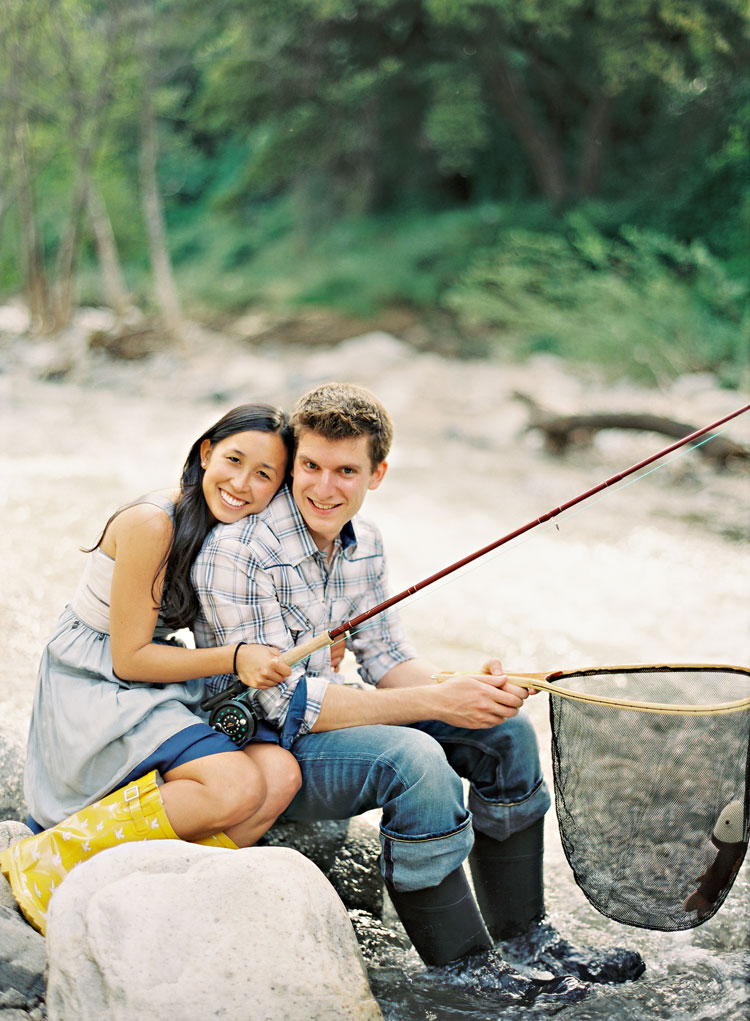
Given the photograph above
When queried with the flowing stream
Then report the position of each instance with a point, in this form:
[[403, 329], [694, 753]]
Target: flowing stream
[[655, 571]]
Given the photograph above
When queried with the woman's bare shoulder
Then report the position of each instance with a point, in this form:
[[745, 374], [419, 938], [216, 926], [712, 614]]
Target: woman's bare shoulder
[[142, 522]]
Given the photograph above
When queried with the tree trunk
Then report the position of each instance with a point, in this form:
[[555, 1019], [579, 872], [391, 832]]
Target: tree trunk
[[544, 156], [67, 255], [164, 285], [592, 150], [35, 281], [113, 278]]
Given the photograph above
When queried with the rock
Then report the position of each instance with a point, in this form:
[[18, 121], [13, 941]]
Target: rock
[[12, 755], [23, 952], [347, 852], [169, 929], [23, 961], [318, 841], [10, 832], [14, 319], [355, 872]]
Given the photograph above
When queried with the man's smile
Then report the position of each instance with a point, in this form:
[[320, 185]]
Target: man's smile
[[323, 506]]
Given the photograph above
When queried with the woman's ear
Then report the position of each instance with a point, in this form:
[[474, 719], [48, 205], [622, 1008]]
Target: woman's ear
[[205, 451]]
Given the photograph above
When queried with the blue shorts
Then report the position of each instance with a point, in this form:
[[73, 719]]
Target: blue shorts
[[194, 742]]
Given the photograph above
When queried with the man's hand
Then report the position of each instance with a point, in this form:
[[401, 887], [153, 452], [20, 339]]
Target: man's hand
[[337, 653], [478, 700], [495, 667], [260, 666]]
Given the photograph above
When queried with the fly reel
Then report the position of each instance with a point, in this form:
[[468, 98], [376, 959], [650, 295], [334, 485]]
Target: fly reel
[[230, 714]]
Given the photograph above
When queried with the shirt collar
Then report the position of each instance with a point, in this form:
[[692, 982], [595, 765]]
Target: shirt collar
[[284, 518]]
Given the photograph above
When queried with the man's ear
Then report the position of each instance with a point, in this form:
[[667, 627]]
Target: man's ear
[[378, 475]]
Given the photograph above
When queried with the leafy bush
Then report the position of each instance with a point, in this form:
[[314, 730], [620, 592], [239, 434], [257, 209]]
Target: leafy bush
[[638, 303]]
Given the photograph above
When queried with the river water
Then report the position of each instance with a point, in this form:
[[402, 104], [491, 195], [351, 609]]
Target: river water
[[653, 571]]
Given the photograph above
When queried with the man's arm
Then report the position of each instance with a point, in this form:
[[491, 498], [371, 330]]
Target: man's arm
[[408, 694]]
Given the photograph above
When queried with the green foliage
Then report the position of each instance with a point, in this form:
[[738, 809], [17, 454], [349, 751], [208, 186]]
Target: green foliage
[[435, 153], [356, 265], [638, 304]]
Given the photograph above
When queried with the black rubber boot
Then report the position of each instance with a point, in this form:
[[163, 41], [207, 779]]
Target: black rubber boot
[[446, 928], [508, 880], [443, 921], [509, 883]]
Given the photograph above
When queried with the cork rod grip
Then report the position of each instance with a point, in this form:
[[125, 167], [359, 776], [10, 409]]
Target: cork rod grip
[[300, 652]]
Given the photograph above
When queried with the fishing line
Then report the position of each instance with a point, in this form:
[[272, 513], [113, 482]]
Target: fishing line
[[225, 703], [550, 525]]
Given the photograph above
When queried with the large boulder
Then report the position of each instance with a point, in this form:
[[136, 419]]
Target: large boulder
[[23, 952], [170, 929], [346, 851], [12, 755]]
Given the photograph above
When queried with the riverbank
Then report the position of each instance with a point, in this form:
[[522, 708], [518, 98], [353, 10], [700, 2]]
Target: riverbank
[[656, 571]]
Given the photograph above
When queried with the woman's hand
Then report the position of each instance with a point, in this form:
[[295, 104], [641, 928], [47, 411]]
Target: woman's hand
[[261, 666]]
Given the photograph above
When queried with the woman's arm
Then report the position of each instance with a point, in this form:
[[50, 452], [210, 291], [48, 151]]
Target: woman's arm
[[138, 540]]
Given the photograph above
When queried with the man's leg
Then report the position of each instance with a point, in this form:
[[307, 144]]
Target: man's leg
[[425, 835], [508, 799], [425, 831]]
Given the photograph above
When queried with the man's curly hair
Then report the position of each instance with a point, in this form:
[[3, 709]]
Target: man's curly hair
[[342, 411]]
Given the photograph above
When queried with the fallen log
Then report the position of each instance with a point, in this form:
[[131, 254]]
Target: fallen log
[[562, 431]]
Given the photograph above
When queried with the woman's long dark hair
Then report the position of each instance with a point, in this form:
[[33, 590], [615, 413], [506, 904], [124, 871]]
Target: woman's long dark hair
[[192, 518]]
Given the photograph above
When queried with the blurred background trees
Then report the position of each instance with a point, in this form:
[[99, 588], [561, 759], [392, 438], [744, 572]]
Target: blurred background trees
[[571, 177]]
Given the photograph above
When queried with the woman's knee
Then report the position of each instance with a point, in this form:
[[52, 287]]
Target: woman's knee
[[240, 793], [281, 773]]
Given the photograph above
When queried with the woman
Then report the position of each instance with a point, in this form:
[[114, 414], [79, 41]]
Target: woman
[[116, 697]]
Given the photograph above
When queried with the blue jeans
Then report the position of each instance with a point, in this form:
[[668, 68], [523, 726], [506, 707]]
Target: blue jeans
[[414, 775]]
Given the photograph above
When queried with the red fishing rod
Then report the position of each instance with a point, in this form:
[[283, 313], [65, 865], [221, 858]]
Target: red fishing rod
[[220, 718]]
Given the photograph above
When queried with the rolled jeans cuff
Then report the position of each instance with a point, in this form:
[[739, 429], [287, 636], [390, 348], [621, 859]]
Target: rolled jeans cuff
[[501, 820], [415, 863]]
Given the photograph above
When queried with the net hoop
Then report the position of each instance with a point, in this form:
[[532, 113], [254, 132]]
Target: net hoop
[[548, 682]]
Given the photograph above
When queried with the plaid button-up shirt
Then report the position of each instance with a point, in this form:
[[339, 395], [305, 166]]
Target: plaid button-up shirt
[[263, 580]]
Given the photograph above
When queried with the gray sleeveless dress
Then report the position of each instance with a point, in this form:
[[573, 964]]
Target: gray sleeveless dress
[[89, 729]]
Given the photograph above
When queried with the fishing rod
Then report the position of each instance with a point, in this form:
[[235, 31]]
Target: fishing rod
[[219, 702]]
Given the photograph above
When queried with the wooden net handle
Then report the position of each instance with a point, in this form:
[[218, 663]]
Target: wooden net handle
[[537, 682]]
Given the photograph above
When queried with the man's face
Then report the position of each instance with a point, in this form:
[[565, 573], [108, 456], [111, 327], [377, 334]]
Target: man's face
[[330, 479]]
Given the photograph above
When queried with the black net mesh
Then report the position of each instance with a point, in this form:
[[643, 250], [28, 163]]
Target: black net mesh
[[653, 806]]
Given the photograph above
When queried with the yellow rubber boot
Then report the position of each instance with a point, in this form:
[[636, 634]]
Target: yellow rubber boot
[[217, 840], [36, 866]]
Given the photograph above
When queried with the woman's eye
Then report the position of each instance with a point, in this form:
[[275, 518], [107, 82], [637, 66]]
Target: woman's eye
[[265, 475], [233, 459]]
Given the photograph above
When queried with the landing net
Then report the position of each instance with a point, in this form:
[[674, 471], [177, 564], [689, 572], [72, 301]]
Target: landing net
[[653, 803]]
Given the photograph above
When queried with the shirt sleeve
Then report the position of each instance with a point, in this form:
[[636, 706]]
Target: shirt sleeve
[[380, 643], [239, 602]]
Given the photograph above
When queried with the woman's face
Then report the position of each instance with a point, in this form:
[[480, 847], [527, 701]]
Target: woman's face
[[241, 473]]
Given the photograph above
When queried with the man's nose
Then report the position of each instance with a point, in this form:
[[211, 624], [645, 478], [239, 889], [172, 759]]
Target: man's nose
[[326, 481]]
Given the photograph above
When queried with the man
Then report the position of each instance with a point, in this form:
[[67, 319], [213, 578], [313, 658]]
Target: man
[[307, 564]]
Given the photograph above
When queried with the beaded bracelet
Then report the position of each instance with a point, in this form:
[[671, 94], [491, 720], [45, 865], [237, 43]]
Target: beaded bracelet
[[234, 661]]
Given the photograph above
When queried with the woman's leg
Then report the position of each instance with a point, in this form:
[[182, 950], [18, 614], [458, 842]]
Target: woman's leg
[[213, 793], [241, 793], [282, 777]]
